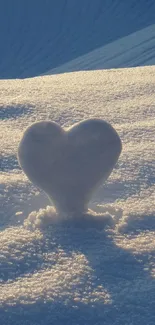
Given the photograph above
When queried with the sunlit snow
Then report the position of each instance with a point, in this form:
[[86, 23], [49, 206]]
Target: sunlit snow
[[100, 269]]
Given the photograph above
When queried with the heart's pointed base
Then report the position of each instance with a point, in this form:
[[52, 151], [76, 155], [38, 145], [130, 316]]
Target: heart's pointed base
[[70, 207]]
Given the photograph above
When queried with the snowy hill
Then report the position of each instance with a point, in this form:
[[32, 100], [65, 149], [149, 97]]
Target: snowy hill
[[137, 49], [101, 271], [38, 36]]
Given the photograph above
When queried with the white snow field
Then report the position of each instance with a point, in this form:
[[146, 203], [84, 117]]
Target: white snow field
[[40, 35], [100, 269]]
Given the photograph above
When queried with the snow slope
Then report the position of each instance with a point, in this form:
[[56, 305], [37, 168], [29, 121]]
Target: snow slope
[[134, 50], [101, 270], [38, 36]]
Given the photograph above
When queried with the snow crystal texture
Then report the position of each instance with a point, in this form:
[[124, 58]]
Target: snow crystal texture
[[100, 270]]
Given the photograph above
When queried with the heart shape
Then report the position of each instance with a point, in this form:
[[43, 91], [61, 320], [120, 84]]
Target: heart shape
[[69, 165]]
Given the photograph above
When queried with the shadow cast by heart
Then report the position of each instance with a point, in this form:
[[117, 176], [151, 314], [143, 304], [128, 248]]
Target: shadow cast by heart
[[106, 271], [51, 313], [109, 263]]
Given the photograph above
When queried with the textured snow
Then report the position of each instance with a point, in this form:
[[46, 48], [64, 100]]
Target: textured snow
[[100, 270]]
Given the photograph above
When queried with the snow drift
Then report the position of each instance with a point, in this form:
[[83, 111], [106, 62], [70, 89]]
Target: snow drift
[[101, 270]]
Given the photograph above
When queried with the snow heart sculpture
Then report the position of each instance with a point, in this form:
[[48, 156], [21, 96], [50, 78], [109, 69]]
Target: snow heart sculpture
[[69, 164]]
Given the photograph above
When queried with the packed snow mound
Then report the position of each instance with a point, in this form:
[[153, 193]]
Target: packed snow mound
[[105, 217], [38, 36]]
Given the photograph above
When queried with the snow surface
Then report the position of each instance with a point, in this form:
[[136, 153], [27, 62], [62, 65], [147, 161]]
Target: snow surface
[[100, 270], [38, 36]]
